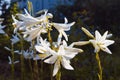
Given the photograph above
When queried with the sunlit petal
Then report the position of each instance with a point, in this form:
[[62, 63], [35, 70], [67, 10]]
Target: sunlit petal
[[56, 68], [106, 50], [97, 35], [104, 36], [40, 49], [51, 60], [66, 65]]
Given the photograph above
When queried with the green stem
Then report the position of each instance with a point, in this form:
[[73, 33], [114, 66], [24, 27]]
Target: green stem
[[22, 58], [58, 75], [35, 69], [51, 67], [99, 66], [41, 70], [22, 66], [12, 65], [49, 38], [30, 65]]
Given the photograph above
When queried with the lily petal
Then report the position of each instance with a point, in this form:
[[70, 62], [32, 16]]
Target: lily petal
[[66, 21], [51, 60], [65, 35], [108, 42], [65, 64], [106, 50], [56, 67], [104, 36], [40, 49], [97, 35]]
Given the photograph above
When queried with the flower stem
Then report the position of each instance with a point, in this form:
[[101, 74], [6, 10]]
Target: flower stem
[[50, 40], [22, 58], [12, 65], [58, 75], [35, 71], [30, 65], [22, 66], [99, 66], [41, 70], [35, 64]]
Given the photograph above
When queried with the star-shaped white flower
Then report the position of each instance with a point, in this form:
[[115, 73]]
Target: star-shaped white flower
[[101, 43], [15, 39], [62, 56], [28, 54], [62, 28]]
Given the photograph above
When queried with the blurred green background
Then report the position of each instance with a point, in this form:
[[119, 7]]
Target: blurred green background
[[94, 15]]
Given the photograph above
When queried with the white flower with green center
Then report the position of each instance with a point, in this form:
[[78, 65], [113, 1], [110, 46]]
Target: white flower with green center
[[62, 57], [62, 27], [101, 43]]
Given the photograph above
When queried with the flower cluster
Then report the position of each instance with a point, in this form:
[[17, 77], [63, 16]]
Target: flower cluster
[[57, 53], [33, 27]]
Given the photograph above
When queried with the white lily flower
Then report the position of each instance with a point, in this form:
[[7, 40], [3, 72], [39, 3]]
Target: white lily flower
[[17, 24], [59, 58], [62, 56], [44, 48], [15, 39], [34, 32], [101, 43], [10, 61], [1, 29], [62, 28], [27, 19]]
